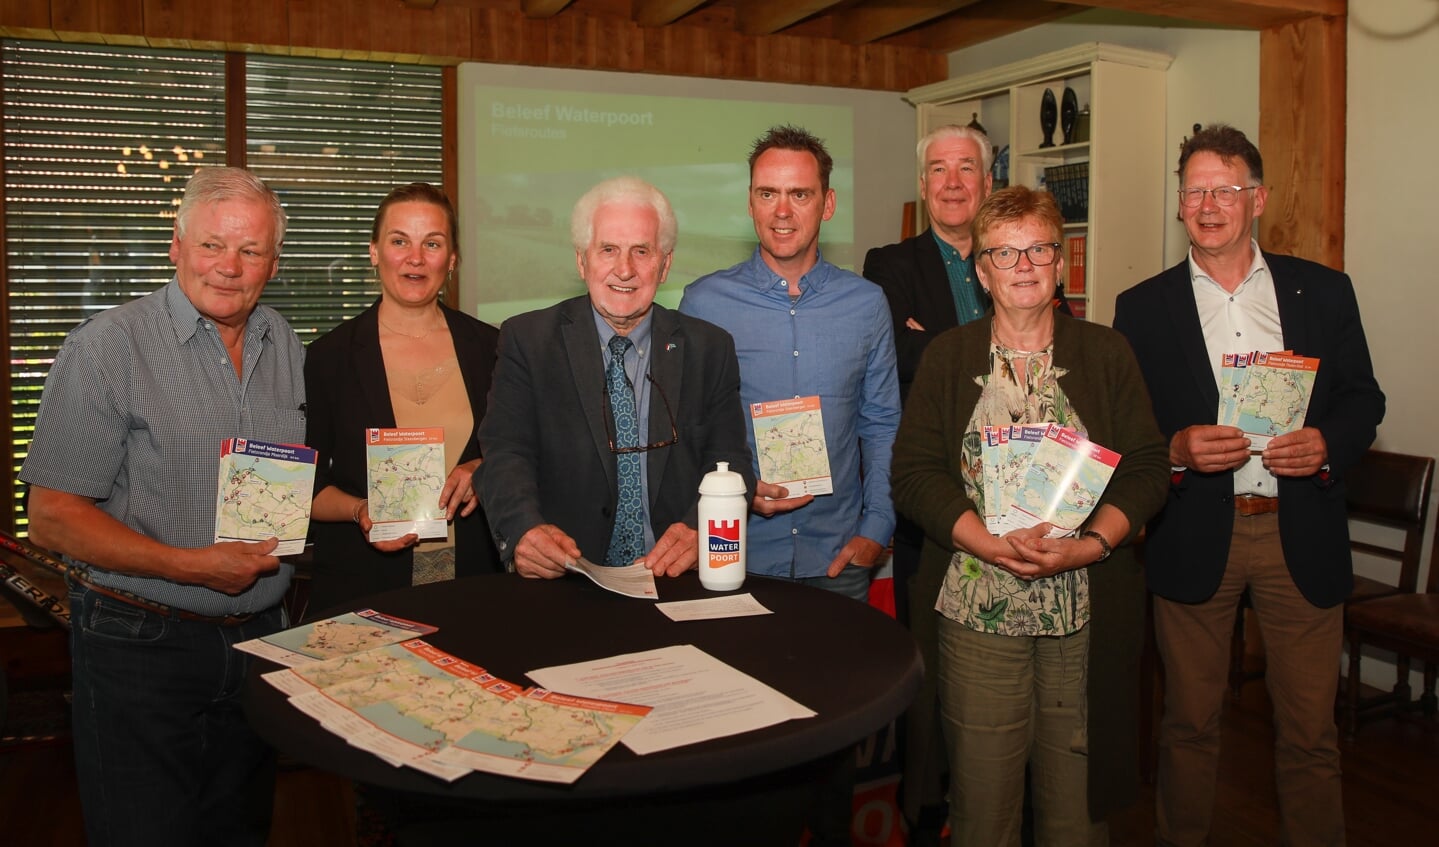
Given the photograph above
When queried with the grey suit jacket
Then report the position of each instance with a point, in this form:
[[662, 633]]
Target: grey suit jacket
[[545, 437]]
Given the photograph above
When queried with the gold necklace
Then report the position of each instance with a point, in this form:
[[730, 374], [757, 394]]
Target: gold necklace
[[994, 336], [425, 334]]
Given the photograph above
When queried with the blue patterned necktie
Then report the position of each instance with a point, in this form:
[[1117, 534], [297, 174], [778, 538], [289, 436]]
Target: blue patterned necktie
[[629, 536]]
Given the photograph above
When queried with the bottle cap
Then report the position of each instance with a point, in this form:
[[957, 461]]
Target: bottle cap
[[722, 481]]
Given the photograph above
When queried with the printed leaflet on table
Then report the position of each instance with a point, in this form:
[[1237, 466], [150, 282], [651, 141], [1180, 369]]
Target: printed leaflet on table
[[265, 492], [695, 696], [414, 705], [352, 632], [406, 473]]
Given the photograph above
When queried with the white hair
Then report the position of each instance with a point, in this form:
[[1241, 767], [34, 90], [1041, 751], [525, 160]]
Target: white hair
[[986, 147], [214, 184], [625, 190]]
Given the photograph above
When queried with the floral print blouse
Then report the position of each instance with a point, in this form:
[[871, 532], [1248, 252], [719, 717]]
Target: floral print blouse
[[977, 594]]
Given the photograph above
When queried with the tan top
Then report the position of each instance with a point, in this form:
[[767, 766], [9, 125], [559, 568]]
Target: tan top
[[429, 395]]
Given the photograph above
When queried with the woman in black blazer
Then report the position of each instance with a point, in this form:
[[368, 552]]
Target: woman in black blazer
[[407, 361]]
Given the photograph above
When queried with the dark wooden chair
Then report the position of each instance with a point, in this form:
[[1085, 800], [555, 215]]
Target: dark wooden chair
[[1389, 490], [1407, 624]]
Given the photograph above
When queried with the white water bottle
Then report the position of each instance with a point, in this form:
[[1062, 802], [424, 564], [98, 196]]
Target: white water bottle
[[723, 515]]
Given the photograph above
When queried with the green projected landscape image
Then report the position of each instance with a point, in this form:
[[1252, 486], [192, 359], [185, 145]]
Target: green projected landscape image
[[536, 151]]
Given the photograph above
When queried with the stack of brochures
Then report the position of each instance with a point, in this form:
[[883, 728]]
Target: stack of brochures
[[1265, 394], [1042, 473], [366, 678]]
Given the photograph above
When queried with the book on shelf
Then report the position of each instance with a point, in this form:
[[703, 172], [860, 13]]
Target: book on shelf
[[1074, 251]]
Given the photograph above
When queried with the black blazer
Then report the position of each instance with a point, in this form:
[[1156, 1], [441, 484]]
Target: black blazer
[[547, 456], [348, 392], [1188, 542], [916, 285]]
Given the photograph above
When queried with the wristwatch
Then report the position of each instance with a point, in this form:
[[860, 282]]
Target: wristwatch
[[1104, 549]]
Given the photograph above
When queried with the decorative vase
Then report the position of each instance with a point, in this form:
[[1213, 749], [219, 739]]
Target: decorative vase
[[1068, 114], [1048, 117]]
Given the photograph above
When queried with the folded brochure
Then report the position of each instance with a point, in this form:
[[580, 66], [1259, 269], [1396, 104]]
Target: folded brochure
[[264, 492]]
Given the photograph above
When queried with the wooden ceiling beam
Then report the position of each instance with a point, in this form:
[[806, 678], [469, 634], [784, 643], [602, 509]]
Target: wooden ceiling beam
[[543, 8], [661, 12], [868, 22], [1250, 14], [991, 19], [766, 17]]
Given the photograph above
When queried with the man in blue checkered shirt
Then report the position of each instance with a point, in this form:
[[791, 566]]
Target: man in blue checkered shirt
[[123, 472]]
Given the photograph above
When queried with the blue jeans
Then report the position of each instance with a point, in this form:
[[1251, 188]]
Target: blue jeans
[[852, 582], [163, 752]]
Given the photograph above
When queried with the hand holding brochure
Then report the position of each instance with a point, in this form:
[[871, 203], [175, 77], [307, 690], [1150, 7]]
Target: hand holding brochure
[[1265, 394], [265, 492], [406, 473], [634, 580], [1005, 454], [789, 440]]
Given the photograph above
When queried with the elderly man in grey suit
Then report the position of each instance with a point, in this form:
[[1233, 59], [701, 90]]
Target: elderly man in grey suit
[[607, 409]]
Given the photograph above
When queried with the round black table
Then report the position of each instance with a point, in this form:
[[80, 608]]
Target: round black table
[[848, 662]]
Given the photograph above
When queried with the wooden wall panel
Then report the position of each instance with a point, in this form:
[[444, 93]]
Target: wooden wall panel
[[591, 34], [441, 33], [112, 21], [503, 38], [1302, 109], [216, 25], [378, 30], [25, 19]]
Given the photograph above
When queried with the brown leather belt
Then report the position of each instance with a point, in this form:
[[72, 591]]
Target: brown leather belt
[[1249, 505], [76, 575]]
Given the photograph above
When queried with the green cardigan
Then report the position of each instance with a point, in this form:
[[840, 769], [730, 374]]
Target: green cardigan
[[1104, 385]]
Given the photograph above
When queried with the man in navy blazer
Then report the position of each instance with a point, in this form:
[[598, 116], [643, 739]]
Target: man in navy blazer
[[1272, 521], [549, 481]]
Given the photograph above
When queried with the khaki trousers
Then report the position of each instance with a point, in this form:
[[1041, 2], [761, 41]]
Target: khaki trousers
[[1302, 645], [1008, 701]]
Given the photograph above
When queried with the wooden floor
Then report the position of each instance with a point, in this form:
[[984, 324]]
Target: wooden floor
[[1389, 780], [1390, 774]]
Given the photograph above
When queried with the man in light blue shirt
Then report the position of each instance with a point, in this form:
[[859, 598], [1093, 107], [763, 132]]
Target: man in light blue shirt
[[803, 327]]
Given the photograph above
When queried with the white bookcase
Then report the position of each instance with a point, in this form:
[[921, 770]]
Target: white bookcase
[[1123, 90]]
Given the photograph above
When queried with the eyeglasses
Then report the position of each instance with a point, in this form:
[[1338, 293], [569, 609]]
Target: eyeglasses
[[1039, 255], [1224, 195], [610, 424]]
